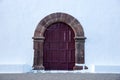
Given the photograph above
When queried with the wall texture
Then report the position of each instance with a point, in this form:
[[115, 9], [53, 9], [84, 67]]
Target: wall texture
[[99, 18]]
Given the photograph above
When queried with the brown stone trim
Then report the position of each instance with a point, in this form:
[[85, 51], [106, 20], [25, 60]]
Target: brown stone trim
[[80, 67], [79, 49], [59, 17], [38, 53], [36, 38]]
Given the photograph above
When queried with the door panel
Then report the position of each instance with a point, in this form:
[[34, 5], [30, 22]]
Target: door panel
[[59, 47]]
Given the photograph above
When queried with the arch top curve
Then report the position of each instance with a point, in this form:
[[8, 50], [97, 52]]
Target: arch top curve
[[59, 17]]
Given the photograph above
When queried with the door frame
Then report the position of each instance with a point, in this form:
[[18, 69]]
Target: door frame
[[38, 39]]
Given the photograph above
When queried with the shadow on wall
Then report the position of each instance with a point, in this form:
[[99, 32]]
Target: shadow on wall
[[15, 68], [1, 0]]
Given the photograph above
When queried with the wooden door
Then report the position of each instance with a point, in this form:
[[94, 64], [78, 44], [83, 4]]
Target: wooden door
[[59, 47]]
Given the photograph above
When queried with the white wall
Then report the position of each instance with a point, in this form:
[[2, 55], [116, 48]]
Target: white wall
[[99, 18], [16, 68]]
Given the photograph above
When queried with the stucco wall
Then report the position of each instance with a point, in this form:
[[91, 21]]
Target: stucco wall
[[100, 20]]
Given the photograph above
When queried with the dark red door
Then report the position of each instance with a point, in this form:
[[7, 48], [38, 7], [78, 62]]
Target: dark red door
[[59, 47]]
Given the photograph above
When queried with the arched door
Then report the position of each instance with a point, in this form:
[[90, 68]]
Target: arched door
[[59, 47]]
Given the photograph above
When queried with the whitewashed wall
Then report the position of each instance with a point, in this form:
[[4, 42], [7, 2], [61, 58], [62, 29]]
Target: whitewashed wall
[[99, 18]]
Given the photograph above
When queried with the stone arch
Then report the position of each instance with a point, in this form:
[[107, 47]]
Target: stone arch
[[39, 38], [59, 17]]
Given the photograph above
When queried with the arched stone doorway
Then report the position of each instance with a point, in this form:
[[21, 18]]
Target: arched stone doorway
[[39, 39]]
